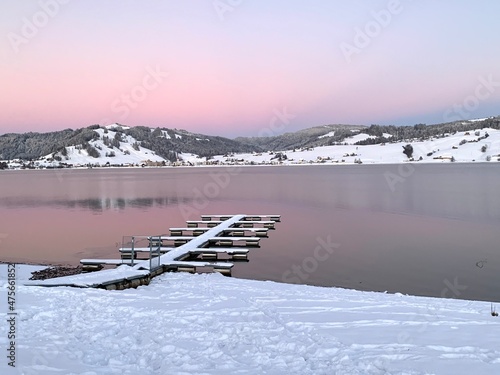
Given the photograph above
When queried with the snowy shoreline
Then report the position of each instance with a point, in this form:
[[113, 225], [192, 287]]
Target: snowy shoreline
[[210, 324], [221, 166]]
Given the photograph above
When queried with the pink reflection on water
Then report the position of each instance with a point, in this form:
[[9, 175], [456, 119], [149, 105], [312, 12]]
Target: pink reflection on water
[[411, 240]]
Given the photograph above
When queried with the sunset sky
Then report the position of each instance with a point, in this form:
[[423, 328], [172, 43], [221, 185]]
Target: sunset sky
[[246, 67]]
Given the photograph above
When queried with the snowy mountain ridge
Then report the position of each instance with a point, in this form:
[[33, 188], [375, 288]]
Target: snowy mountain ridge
[[122, 146]]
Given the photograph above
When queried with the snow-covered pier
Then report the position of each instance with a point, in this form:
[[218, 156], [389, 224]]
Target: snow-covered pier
[[214, 243]]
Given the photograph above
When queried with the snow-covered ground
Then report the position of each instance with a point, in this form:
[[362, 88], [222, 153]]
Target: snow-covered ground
[[23, 272], [437, 150], [211, 324]]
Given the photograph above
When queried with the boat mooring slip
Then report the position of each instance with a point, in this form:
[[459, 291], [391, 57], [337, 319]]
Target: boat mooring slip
[[213, 243]]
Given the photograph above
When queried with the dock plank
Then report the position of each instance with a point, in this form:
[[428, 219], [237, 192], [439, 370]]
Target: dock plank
[[234, 229], [224, 265], [220, 250], [234, 239], [237, 222], [144, 249], [107, 261], [93, 279], [222, 217]]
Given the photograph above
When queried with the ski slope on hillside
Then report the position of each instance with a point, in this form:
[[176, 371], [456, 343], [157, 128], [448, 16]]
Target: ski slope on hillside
[[211, 324]]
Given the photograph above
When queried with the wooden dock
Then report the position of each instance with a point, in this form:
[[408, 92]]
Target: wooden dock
[[213, 243]]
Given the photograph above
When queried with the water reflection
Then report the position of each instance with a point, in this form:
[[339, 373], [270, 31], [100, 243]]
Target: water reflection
[[94, 204], [449, 191], [399, 239]]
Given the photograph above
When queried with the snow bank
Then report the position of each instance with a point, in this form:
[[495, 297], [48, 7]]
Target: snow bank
[[210, 324], [22, 272]]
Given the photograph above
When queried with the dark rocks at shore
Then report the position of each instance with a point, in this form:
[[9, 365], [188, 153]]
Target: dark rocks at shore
[[58, 271]]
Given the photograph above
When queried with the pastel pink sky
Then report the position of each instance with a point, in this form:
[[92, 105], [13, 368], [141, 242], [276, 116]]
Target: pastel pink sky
[[226, 69]]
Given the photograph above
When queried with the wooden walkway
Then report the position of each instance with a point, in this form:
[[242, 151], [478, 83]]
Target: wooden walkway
[[214, 235]]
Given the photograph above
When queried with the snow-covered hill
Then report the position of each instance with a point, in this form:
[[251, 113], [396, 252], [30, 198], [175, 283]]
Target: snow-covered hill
[[125, 154], [211, 324], [470, 146], [111, 147]]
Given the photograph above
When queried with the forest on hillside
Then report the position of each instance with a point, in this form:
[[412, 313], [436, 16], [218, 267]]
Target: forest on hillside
[[169, 142]]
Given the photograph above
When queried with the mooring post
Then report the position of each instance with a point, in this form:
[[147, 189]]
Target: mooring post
[[150, 253], [132, 252], [157, 244]]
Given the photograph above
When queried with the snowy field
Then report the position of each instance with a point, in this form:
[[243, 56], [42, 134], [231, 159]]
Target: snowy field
[[437, 150], [211, 324]]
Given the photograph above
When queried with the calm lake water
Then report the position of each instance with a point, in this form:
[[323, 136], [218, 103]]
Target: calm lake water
[[428, 230]]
